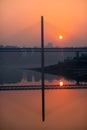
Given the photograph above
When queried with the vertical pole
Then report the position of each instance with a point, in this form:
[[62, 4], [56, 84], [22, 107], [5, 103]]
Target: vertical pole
[[42, 66]]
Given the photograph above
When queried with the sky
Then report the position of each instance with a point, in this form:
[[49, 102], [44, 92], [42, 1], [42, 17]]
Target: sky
[[20, 22]]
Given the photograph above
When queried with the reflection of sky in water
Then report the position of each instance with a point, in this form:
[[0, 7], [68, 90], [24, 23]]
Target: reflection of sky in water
[[65, 110], [20, 110]]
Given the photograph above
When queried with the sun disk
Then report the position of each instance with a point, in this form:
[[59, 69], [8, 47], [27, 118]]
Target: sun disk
[[61, 83], [60, 37]]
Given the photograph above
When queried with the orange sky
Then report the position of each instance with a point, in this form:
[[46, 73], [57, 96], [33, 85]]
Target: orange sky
[[67, 17]]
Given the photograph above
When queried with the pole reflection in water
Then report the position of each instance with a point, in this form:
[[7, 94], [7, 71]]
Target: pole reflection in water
[[42, 65]]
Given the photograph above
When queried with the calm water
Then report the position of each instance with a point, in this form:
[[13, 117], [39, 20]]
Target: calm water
[[65, 110], [21, 110]]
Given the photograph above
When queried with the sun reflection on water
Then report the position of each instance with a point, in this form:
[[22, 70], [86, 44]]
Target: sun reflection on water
[[61, 83]]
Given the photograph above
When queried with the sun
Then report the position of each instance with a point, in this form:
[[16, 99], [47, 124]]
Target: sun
[[60, 37], [61, 83]]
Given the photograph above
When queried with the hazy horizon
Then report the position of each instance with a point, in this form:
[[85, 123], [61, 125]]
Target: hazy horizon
[[20, 22]]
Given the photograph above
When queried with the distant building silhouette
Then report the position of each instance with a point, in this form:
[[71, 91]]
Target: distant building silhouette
[[49, 45]]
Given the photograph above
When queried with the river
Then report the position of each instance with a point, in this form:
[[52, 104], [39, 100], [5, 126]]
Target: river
[[65, 109]]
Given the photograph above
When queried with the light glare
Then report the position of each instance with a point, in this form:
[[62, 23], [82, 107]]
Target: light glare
[[61, 83], [60, 37]]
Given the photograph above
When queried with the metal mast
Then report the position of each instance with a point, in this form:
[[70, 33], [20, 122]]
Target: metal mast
[[42, 66]]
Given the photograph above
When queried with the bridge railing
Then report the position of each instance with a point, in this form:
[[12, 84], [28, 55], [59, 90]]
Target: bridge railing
[[65, 49]]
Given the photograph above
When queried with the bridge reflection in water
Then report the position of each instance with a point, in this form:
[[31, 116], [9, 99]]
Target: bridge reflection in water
[[44, 87], [47, 87]]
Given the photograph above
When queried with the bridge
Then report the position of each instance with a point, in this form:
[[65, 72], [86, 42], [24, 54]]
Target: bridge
[[46, 87], [65, 49], [42, 50]]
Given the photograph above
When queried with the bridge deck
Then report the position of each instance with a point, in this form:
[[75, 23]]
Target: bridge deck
[[65, 49], [47, 87]]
